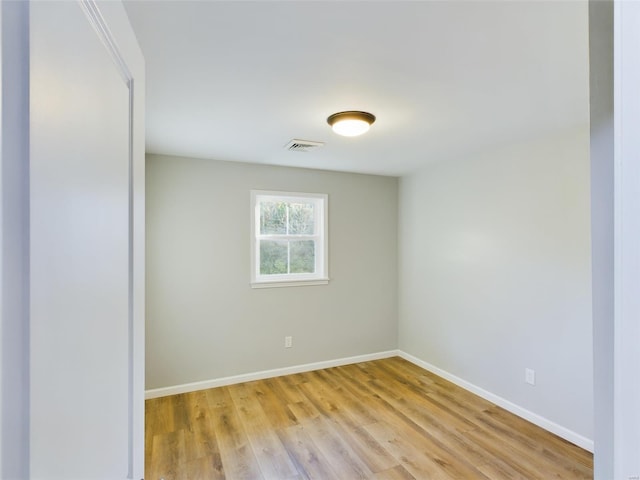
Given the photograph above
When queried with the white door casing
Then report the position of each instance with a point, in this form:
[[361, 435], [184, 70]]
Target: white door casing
[[86, 243], [626, 355]]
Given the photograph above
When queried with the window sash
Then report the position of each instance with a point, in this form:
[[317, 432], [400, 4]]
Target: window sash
[[319, 237]]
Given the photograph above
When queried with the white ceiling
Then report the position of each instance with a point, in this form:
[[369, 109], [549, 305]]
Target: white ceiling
[[236, 80]]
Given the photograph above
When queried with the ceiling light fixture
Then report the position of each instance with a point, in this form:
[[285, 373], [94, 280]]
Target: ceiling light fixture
[[351, 123]]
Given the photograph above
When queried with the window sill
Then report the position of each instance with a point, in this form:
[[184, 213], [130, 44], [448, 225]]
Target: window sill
[[290, 283]]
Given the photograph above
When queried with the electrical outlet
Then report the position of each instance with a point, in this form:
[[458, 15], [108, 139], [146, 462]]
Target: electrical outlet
[[288, 342], [530, 376]]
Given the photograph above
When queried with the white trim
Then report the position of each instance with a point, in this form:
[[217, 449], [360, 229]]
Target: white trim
[[96, 19], [103, 32], [277, 372], [124, 51], [297, 283], [534, 418], [321, 237], [626, 326]]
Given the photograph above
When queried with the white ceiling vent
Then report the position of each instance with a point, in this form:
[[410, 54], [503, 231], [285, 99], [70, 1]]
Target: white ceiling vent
[[297, 145]]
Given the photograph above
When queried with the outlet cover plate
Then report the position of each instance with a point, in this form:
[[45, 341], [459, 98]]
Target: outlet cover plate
[[530, 376]]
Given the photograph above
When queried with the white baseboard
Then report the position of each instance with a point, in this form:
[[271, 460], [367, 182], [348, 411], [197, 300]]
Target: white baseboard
[[534, 418], [278, 372]]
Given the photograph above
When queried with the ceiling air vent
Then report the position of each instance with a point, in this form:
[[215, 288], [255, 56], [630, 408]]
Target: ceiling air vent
[[296, 145]]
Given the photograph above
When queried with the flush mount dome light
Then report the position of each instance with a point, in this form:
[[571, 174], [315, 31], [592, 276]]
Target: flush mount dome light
[[351, 123]]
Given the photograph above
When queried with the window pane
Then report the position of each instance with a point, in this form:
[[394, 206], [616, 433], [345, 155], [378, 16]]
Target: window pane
[[273, 257], [301, 221], [303, 256], [273, 218]]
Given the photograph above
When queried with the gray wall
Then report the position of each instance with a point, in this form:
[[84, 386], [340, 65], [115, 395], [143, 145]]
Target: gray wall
[[494, 274], [204, 321]]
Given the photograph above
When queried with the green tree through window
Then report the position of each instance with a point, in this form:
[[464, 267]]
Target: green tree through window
[[289, 241]]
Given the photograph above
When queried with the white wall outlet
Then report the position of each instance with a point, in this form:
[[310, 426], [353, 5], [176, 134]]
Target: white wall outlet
[[288, 342], [530, 376]]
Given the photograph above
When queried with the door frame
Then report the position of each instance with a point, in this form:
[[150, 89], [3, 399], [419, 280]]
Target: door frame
[[108, 17], [111, 23]]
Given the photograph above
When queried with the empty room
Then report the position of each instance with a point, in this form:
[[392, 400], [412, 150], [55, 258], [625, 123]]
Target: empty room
[[454, 235], [319, 239]]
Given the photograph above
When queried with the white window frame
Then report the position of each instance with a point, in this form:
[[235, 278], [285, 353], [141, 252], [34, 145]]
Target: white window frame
[[321, 236]]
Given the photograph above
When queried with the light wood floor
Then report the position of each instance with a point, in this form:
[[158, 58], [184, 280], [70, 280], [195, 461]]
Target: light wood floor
[[385, 419]]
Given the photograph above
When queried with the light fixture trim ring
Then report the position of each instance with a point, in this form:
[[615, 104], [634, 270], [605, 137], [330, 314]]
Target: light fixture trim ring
[[351, 115]]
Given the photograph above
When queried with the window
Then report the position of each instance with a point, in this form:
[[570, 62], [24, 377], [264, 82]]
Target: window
[[289, 239]]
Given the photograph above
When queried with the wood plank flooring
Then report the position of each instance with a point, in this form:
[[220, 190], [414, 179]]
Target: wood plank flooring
[[386, 419]]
